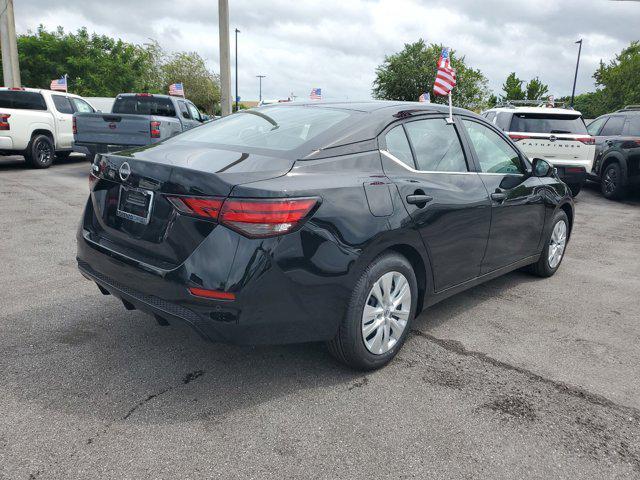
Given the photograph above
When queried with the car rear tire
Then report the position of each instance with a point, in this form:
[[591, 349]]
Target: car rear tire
[[40, 152], [612, 182], [379, 314], [575, 188], [555, 245]]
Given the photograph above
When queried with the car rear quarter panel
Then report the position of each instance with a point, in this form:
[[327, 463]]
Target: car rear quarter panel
[[325, 259]]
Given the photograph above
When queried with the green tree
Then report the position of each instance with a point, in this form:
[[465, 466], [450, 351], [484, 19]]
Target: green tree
[[409, 73], [619, 79], [512, 88], [97, 65], [536, 90], [201, 86]]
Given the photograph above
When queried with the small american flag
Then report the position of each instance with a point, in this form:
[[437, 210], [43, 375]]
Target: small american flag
[[316, 94], [176, 89], [59, 84], [425, 98], [446, 76]]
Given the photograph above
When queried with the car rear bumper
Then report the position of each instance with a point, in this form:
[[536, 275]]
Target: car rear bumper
[[272, 305], [91, 149], [6, 143], [571, 175]]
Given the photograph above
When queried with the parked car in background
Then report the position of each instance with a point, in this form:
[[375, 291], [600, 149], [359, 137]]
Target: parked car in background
[[102, 104], [37, 123], [617, 161], [135, 120], [556, 134], [334, 222]]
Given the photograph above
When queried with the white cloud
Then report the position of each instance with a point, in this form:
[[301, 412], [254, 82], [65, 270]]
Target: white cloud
[[336, 44]]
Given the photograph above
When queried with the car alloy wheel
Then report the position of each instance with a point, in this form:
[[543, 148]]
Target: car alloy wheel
[[44, 153], [610, 180], [386, 312], [557, 243]]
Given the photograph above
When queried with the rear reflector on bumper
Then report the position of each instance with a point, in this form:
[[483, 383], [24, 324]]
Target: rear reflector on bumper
[[216, 294], [254, 218]]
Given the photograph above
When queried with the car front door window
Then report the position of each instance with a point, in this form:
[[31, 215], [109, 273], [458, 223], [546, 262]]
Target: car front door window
[[595, 126], [494, 154]]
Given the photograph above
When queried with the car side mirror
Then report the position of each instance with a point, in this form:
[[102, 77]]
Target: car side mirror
[[542, 168]]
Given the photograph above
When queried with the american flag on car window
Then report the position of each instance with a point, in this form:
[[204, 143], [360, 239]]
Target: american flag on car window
[[59, 84], [446, 76], [176, 89], [316, 94]]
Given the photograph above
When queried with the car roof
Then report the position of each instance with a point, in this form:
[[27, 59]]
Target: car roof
[[41, 90], [369, 117], [545, 110]]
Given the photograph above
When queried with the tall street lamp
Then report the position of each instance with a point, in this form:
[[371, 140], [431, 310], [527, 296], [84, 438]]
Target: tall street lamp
[[261, 77], [575, 78], [237, 32]]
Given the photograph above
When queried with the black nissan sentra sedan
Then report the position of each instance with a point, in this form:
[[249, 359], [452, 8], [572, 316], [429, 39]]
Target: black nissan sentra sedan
[[334, 222]]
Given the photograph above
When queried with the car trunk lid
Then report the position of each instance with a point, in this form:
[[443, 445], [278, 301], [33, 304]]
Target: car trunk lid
[[131, 213]]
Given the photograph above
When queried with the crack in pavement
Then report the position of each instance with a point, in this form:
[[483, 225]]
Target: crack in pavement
[[457, 347]]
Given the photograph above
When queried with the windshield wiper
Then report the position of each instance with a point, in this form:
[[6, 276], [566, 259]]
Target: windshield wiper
[[263, 116]]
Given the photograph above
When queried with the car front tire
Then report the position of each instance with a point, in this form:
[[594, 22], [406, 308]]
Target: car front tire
[[555, 246], [40, 152], [379, 316]]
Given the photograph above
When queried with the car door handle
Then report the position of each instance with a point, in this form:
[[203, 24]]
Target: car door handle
[[499, 196], [417, 199]]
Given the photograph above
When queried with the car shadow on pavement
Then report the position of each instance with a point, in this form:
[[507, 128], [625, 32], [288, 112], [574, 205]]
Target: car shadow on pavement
[[119, 366], [17, 162]]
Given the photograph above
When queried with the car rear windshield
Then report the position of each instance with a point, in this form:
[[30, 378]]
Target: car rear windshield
[[144, 105], [546, 123], [22, 100], [273, 128]]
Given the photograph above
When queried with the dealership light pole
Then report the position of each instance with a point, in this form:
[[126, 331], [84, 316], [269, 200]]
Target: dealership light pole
[[10, 64], [225, 64], [237, 32], [260, 77], [575, 77]]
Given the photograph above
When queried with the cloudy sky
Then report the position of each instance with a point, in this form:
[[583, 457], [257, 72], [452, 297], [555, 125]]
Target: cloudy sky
[[337, 44]]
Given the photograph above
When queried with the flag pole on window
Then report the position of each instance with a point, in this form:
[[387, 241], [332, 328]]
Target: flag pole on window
[[66, 83], [445, 80]]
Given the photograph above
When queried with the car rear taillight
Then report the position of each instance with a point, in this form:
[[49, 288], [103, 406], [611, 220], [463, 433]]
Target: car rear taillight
[[75, 126], [4, 121], [587, 140], [516, 137], [203, 207], [257, 218], [154, 129], [254, 218]]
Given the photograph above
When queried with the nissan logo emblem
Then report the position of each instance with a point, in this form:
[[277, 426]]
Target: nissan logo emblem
[[125, 171], [553, 138]]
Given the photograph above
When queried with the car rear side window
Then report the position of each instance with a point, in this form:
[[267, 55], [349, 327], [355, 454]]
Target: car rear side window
[[613, 126], [436, 146], [547, 123], [490, 116], [144, 105], [22, 100], [63, 105], [494, 153], [632, 127], [398, 145]]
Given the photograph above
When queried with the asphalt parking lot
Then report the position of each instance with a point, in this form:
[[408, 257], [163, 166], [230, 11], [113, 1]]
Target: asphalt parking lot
[[518, 378]]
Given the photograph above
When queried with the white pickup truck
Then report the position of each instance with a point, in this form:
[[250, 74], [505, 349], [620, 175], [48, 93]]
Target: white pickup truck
[[38, 123]]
